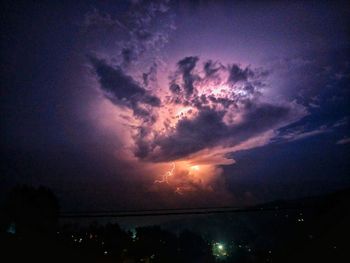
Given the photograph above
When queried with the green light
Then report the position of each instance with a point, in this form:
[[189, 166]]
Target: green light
[[219, 250]]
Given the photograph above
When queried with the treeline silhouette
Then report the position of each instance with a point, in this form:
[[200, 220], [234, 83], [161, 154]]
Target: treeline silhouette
[[30, 231]]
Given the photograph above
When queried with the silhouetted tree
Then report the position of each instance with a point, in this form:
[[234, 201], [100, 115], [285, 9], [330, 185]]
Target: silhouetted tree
[[155, 245], [116, 241], [32, 210], [193, 248]]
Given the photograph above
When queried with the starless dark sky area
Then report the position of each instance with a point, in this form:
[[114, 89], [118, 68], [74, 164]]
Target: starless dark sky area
[[249, 101]]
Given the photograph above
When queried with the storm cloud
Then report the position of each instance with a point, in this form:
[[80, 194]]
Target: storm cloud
[[186, 67], [223, 111], [208, 129], [122, 89], [202, 107]]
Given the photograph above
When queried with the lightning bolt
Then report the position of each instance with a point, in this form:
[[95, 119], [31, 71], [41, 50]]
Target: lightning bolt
[[166, 175], [178, 190]]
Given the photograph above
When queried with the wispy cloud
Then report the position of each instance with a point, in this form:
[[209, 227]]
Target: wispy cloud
[[344, 141], [300, 133]]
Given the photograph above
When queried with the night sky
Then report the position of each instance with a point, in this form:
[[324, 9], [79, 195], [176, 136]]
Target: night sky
[[149, 104]]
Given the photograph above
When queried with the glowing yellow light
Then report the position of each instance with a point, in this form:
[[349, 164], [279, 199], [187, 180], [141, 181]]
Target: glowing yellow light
[[221, 247], [195, 167]]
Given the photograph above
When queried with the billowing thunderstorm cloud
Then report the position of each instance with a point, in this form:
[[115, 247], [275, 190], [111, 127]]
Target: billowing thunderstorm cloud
[[205, 105], [177, 108]]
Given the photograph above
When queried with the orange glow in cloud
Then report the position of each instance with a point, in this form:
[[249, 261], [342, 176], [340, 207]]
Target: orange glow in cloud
[[184, 177]]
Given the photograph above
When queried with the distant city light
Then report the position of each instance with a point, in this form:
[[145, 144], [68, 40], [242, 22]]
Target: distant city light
[[219, 250], [12, 229], [133, 233]]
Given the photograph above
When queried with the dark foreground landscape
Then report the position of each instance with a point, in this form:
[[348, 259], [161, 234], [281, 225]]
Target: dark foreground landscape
[[306, 230]]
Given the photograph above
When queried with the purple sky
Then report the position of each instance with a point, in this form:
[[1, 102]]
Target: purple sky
[[162, 103]]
